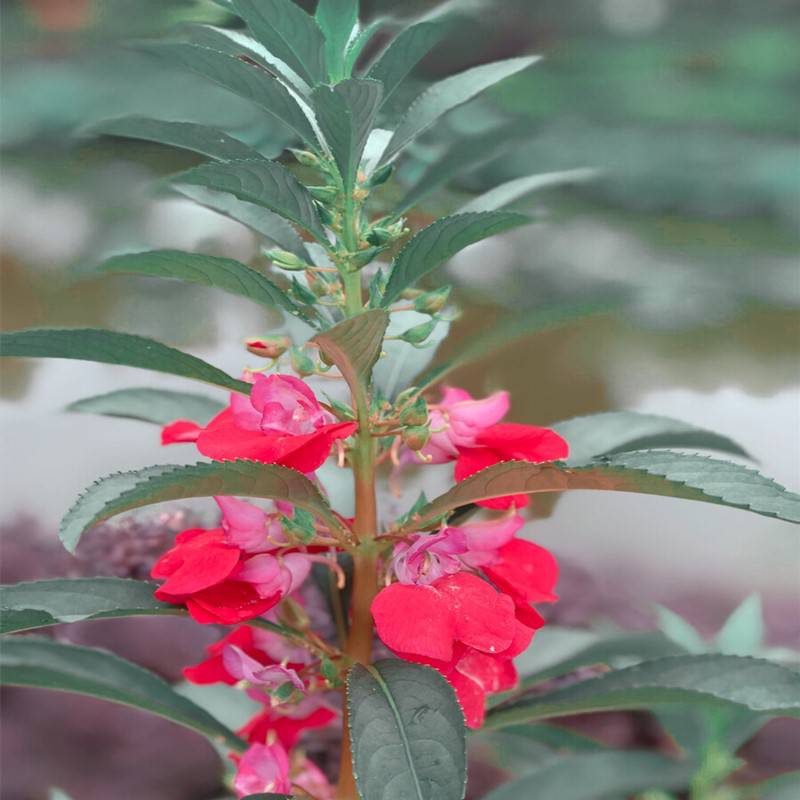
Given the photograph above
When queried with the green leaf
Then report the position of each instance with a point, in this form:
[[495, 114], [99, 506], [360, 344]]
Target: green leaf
[[186, 135], [508, 193], [407, 733], [47, 664], [406, 50], [250, 81], [448, 94], [259, 219], [658, 472], [439, 242], [680, 631], [554, 737], [359, 42], [337, 19], [782, 787], [158, 484], [220, 273], [592, 776], [111, 347], [39, 604], [743, 631], [618, 431], [288, 32], [345, 114], [159, 406], [760, 686]]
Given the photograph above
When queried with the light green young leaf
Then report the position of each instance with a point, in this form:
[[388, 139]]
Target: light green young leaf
[[111, 347], [440, 241], [159, 406], [158, 484], [360, 40], [680, 631], [448, 94], [186, 135], [338, 20], [407, 732], [509, 193], [743, 631], [288, 32], [48, 664], [760, 686], [265, 183], [346, 113]]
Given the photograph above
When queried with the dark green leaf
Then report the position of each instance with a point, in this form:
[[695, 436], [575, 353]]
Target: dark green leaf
[[250, 81], [187, 135], [220, 273], [158, 406], [47, 664], [110, 347], [760, 686], [39, 604], [658, 472], [407, 733], [289, 33], [593, 776], [448, 94], [439, 242], [407, 49], [265, 183], [128, 490], [337, 19], [554, 737], [618, 431], [345, 114], [359, 42]]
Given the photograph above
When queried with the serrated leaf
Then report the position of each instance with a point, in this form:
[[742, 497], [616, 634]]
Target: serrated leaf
[[288, 32], [345, 114], [406, 50], [265, 183], [743, 631], [448, 94], [407, 733], [159, 406], [658, 472], [593, 776], [158, 484], [760, 686], [508, 193], [617, 431], [437, 243], [111, 347], [337, 19], [48, 664], [360, 40], [220, 273], [257, 218], [39, 604], [250, 81], [186, 135]]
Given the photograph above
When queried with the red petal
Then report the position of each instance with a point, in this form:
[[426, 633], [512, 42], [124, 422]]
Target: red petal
[[512, 441], [200, 568], [415, 620], [310, 452], [180, 431], [287, 729], [527, 572], [472, 460], [228, 603], [211, 670], [471, 698], [491, 673]]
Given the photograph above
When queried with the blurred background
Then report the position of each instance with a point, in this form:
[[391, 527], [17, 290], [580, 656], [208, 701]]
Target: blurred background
[[690, 112]]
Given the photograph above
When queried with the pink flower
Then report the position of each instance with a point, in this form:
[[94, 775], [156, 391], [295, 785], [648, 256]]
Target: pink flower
[[311, 778], [243, 667], [263, 768], [484, 539], [249, 527], [425, 558]]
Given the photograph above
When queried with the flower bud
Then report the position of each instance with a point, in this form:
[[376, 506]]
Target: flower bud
[[419, 333], [381, 175], [318, 287], [411, 294], [432, 302], [327, 195], [378, 236], [286, 260], [415, 414], [268, 346], [416, 437], [301, 362], [364, 257], [307, 159], [406, 395]]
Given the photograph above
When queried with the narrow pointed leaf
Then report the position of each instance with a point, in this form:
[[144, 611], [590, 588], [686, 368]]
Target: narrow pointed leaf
[[761, 686], [220, 273], [360, 41], [407, 733], [345, 113], [48, 664], [250, 81], [439, 242], [186, 135], [448, 94], [288, 32], [158, 484], [743, 631], [337, 19], [39, 604], [265, 183], [158, 406], [617, 431], [593, 776], [406, 50], [509, 193], [657, 472], [111, 347]]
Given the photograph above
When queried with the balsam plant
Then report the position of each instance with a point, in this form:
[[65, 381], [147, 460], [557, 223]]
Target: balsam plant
[[423, 615]]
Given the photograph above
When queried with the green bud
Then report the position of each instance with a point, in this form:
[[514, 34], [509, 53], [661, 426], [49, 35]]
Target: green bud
[[318, 287], [301, 293], [328, 669], [379, 236], [406, 395], [364, 257], [284, 691], [326, 215], [301, 362], [268, 346], [376, 288], [432, 302], [415, 414], [416, 437], [381, 175], [307, 159], [286, 260], [300, 526], [419, 333], [327, 195], [411, 294]]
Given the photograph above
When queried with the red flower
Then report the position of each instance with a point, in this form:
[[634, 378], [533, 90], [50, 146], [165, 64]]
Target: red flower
[[525, 571], [287, 726], [509, 442]]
